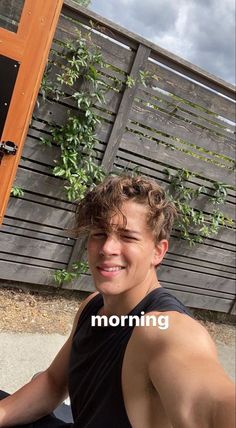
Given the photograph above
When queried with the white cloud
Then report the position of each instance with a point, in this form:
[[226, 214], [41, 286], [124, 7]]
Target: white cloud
[[201, 31]]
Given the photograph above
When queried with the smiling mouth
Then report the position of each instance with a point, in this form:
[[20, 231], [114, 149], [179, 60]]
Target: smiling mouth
[[111, 269]]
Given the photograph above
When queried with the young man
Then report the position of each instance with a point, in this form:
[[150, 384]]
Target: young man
[[145, 375]]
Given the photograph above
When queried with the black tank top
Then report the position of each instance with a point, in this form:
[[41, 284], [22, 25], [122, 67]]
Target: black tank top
[[96, 362]]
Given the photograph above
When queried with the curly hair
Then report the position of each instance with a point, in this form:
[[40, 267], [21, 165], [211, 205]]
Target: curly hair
[[104, 201]]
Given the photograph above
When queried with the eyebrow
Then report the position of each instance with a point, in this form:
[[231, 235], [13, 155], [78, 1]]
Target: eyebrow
[[129, 231]]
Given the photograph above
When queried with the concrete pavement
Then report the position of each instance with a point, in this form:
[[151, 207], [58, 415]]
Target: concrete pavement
[[23, 355]]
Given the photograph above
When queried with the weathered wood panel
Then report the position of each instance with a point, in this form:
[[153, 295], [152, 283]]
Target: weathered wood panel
[[129, 161], [113, 53], [29, 180], [26, 273], [197, 280], [203, 252], [31, 226], [43, 214], [33, 247], [36, 234], [35, 150], [168, 103], [188, 90], [194, 263], [177, 121], [149, 149], [196, 300], [32, 261], [151, 120]]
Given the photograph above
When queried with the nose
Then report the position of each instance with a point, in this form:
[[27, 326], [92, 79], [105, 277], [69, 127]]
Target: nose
[[110, 245]]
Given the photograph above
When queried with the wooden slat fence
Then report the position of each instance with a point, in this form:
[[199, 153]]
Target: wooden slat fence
[[184, 118]]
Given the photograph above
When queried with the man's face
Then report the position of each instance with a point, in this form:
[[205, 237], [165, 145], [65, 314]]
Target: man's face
[[126, 257]]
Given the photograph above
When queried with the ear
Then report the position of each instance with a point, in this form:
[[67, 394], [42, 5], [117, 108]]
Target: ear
[[159, 251]]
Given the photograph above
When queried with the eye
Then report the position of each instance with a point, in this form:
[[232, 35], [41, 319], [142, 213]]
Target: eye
[[129, 237], [98, 235]]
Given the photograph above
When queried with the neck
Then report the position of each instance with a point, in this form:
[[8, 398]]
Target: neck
[[122, 304]]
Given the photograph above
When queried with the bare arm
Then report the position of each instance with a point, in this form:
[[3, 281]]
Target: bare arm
[[185, 371], [41, 395]]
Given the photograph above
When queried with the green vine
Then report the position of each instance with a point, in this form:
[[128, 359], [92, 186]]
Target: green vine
[[17, 192], [143, 78], [77, 137], [62, 275], [194, 225]]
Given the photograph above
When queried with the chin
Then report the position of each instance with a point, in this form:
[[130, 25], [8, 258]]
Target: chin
[[108, 289]]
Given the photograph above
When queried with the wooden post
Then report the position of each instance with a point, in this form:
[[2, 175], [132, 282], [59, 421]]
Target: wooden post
[[125, 106]]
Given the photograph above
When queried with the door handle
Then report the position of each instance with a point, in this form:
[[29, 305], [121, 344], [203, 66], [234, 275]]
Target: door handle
[[7, 148]]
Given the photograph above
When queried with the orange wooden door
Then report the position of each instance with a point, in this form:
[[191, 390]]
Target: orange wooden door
[[25, 41]]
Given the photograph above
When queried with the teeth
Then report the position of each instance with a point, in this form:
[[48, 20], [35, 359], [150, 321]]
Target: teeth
[[112, 269]]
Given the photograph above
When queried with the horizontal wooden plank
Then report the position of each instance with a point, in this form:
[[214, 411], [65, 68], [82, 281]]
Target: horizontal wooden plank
[[205, 293], [152, 122], [52, 112], [227, 237], [35, 166], [35, 150], [201, 123], [28, 225], [31, 164], [48, 201], [176, 144], [85, 283], [130, 161], [31, 247], [41, 126], [19, 231], [202, 252], [186, 264], [112, 96], [9, 13], [157, 152], [37, 213], [113, 53], [215, 242], [195, 263], [42, 184], [31, 261], [102, 131], [165, 79], [195, 301], [26, 273], [171, 104], [201, 203], [57, 49], [195, 280]]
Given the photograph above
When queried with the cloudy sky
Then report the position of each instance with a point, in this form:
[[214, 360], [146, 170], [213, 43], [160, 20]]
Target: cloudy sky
[[201, 31]]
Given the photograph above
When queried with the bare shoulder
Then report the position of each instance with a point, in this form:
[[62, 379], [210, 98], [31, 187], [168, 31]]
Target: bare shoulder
[[175, 331], [181, 363]]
